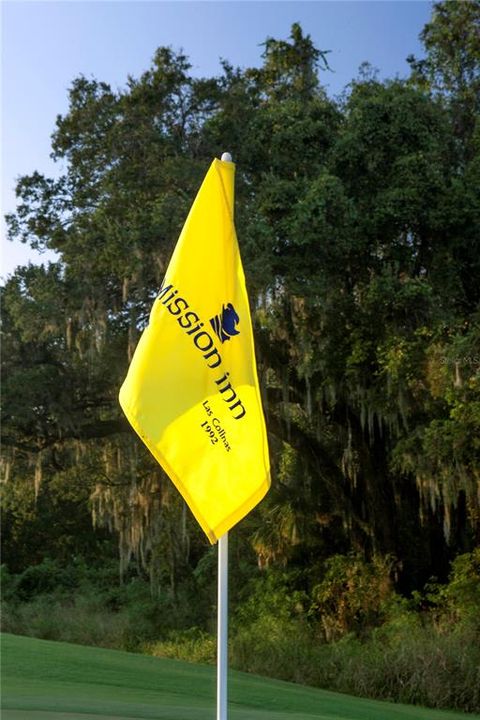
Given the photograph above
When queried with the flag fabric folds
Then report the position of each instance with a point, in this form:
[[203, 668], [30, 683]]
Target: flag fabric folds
[[191, 392]]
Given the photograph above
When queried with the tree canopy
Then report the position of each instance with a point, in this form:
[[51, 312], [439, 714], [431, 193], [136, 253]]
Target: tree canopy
[[358, 220]]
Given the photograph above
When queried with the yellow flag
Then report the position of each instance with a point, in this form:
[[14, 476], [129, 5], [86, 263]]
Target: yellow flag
[[192, 392]]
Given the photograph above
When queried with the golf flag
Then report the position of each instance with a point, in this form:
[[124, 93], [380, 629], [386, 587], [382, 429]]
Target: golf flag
[[191, 392]]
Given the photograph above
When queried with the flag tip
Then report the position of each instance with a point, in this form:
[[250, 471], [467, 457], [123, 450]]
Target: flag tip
[[226, 157]]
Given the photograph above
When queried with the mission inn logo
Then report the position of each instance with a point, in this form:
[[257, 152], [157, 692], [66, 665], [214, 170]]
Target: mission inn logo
[[224, 324]]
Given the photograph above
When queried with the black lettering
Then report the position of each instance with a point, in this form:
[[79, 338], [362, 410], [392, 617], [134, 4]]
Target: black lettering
[[190, 332], [185, 321], [215, 354], [233, 395], [191, 323], [167, 300], [243, 411], [175, 304], [222, 379], [196, 340], [164, 290]]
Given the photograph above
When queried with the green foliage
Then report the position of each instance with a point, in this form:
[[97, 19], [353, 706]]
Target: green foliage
[[423, 650], [451, 67], [192, 645], [290, 68], [87, 605], [81, 622], [381, 645], [84, 682], [275, 647], [405, 660], [422, 668], [463, 591], [358, 219], [458, 602], [352, 594]]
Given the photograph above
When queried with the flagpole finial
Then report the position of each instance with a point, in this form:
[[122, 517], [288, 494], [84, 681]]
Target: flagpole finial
[[226, 157]]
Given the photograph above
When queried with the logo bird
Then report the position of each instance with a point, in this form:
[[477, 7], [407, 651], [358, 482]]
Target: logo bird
[[225, 323]]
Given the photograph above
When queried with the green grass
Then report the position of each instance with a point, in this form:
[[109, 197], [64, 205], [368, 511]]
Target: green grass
[[44, 680]]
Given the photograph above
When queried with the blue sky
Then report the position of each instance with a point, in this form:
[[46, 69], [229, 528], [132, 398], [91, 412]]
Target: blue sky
[[47, 44]]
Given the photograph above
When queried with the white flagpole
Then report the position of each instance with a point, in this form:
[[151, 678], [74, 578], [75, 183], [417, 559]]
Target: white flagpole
[[222, 608], [222, 628]]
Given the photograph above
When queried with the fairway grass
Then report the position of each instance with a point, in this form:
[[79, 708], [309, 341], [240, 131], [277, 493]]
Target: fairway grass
[[43, 680]]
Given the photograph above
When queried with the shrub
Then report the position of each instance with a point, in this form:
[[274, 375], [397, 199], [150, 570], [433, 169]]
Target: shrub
[[80, 621], [459, 600], [276, 647], [8, 584], [193, 645], [384, 646], [352, 594]]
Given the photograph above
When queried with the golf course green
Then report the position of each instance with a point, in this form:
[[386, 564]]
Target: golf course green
[[43, 680]]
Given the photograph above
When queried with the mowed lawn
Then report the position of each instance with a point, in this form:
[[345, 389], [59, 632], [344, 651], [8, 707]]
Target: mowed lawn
[[43, 680]]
